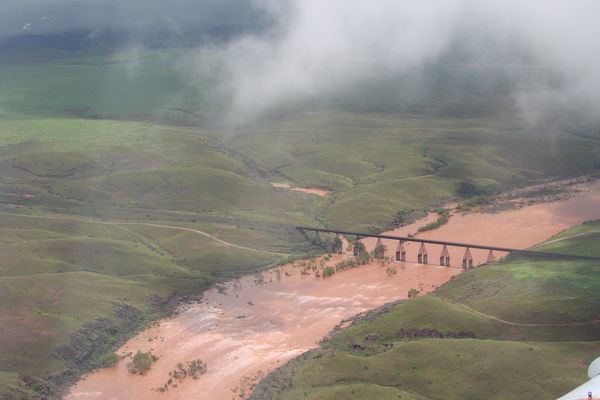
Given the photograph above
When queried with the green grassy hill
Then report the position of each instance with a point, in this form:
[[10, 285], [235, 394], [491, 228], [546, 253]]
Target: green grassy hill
[[516, 329], [382, 164], [72, 289], [130, 130]]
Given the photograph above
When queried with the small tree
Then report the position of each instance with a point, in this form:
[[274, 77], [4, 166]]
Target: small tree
[[359, 247], [316, 239], [337, 245], [141, 363], [362, 258], [379, 252], [196, 368], [468, 189]]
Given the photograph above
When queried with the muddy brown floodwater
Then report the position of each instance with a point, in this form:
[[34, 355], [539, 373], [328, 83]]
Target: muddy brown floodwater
[[251, 325]]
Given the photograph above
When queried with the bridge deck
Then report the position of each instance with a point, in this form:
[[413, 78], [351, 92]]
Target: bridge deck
[[530, 253]]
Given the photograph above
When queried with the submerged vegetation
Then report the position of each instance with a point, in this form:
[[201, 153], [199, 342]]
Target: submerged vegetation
[[141, 363], [193, 369], [328, 271]]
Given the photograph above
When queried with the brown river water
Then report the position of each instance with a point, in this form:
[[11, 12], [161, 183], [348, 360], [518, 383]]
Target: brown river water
[[254, 324]]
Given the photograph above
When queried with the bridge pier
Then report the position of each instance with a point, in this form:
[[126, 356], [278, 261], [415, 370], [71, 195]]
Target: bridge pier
[[445, 257], [422, 256], [467, 262], [400, 252], [379, 251], [358, 247], [338, 244], [490, 258]]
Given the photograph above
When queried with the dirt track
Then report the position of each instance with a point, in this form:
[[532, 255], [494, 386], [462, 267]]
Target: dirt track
[[119, 223]]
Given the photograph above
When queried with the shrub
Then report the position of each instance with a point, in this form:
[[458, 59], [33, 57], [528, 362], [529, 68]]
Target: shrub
[[479, 200], [379, 252], [193, 369], [359, 247], [468, 189], [412, 293], [363, 258], [345, 264], [196, 368], [337, 245], [328, 271], [141, 363], [109, 360], [316, 239], [424, 333], [402, 217]]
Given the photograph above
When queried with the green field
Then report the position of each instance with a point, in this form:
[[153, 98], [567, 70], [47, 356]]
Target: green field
[[516, 329], [85, 142], [128, 130]]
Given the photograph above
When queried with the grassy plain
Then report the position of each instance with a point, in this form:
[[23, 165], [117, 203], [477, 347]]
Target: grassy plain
[[518, 329], [128, 137]]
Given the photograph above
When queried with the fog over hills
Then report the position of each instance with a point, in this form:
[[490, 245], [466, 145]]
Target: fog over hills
[[270, 54], [54, 16], [325, 47]]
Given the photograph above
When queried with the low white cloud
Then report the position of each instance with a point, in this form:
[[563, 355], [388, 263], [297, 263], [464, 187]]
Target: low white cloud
[[319, 47]]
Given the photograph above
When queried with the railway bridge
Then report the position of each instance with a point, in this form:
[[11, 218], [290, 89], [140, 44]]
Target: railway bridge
[[423, 254]]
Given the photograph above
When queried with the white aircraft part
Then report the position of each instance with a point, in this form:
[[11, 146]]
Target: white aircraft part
[[594, 369], [592, 386]]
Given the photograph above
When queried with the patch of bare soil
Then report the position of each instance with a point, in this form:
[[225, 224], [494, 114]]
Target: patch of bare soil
[[316, 191]]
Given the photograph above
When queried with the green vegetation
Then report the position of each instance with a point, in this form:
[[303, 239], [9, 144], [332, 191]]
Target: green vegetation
[[443, 218], [125, 138], [338, 245], [359, 247], [519, 328], [141, 363], [378, 252], [388, 163], [73, 289], [328, 271], [70, 119], [13, 387], [193, 369], [468, 189], [109, 360]]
